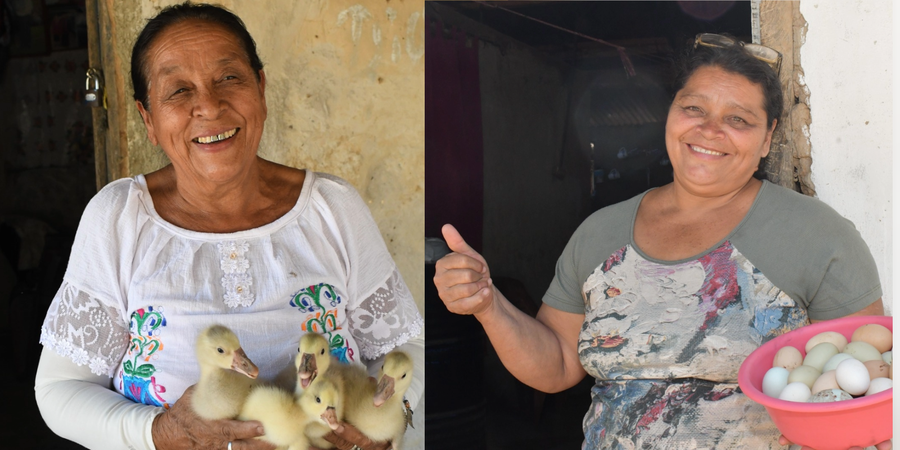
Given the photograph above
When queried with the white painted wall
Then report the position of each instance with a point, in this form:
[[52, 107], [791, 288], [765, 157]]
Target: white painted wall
[[847, 61]]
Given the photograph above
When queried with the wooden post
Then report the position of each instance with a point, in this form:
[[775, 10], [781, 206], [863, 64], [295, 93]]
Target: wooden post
[[782, 27], [98, 115]]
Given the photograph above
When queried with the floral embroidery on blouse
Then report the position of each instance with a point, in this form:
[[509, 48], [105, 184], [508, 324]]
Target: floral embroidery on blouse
[[236, 281], [84, 330], [314, 300], [137, 379]]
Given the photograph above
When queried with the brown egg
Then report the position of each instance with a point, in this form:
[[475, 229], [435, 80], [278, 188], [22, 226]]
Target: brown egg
[[787, 357], [877, 369], [824, 382], [834, 337], [876, 335]]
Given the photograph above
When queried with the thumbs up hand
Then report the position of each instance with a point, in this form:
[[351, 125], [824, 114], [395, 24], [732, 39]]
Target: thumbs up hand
[[462, 278]]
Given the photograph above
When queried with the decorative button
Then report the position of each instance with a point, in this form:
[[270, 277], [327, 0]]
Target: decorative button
[[236, 280]]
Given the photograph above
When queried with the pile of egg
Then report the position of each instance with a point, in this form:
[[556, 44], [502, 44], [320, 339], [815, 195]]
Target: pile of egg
[[833, 369]]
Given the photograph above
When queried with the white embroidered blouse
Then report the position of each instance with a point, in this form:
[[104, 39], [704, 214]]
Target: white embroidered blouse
[[138, 289]]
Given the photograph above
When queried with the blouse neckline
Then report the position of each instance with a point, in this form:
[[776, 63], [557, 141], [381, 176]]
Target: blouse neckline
[[269, 228], [727, 237]]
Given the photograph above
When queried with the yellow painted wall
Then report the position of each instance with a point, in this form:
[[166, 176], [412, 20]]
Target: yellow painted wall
[[345, 89]]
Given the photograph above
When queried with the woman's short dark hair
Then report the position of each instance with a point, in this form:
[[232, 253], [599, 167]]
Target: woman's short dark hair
[[177, 13], [736, 60]]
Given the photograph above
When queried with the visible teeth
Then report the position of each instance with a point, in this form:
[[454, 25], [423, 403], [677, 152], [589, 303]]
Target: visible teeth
[[705, 151], [217, 138]]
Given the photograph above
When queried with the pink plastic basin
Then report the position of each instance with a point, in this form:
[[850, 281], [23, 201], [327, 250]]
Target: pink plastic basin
[[840, 425]]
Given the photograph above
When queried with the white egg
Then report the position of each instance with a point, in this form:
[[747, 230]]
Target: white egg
[[887, 356], [774, 381], [879, 384], [835, 360], [795, 392], [852, 376]]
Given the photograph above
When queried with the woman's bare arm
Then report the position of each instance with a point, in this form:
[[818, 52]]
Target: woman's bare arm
[[540, 352]]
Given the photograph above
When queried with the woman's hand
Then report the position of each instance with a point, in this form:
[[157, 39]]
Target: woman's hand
[[462, 278], [346, 436], [181, 428], [886, 445]]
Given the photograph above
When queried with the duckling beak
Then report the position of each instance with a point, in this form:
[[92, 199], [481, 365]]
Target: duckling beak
[[308, 369], [384, 390], [242, 364], [330, 417]]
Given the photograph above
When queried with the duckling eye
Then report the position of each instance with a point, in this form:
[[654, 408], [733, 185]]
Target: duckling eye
[[220, 350], [322, 352], [404, 376], [318, 400]]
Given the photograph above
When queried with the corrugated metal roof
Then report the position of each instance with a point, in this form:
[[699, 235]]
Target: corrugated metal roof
[[627, 106]]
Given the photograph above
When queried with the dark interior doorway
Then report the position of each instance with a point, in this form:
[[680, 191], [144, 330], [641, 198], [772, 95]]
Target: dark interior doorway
[[47, 177], [568, 125]]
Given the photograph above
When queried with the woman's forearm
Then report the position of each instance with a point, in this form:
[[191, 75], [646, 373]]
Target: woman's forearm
[[540, 352], [79, 406]]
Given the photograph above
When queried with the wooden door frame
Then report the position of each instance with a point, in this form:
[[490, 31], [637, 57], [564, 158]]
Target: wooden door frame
[[783, 28]]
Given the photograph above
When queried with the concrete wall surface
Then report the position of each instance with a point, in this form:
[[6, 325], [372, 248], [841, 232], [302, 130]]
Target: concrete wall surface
[[345, 89], [847, 61]]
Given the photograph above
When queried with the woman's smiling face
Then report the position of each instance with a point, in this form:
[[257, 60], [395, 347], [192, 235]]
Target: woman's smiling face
[[716, 132], [206, 107]]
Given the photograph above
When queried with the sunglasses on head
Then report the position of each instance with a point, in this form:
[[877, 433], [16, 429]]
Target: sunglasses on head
[[765, 54]]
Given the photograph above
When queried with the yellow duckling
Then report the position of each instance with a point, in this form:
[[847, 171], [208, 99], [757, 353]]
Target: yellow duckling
[[378, 411], [314, 363], [226, 374], [284, 416]]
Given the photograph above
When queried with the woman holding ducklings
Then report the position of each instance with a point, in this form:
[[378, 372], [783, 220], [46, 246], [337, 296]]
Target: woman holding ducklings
[[218, 236], [661, 297]]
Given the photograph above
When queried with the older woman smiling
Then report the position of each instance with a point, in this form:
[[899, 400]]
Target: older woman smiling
[[219, 236], [661, 297]]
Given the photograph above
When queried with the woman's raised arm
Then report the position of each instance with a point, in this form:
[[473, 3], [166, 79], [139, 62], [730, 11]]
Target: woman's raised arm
[[540, 352]]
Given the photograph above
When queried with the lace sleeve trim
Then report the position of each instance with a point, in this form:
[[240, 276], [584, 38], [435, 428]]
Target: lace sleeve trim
[[386, 319], [84, 329]]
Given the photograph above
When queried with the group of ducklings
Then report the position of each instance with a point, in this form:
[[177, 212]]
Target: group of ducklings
[[326, 392]]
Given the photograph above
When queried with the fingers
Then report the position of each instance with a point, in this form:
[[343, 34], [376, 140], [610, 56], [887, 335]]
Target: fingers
[[455, 240], [346, 436], [181, 428], [474, 304], [250, 444], [463, 290], [886, 445], [234, 430], [463, 264]]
